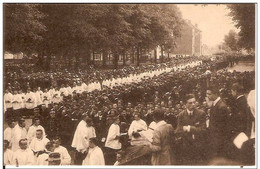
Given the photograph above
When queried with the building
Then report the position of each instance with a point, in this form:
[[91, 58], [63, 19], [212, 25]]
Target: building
[[189, 43]]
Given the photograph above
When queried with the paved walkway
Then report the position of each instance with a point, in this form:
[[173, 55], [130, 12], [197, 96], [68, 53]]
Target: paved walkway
[[243, 66]]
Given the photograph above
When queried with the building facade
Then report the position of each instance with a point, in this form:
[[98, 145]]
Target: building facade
[[189, 43]]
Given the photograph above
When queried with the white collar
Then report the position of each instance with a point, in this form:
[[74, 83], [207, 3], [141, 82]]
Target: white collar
[[239, 96], [216, 101], [189, 112]]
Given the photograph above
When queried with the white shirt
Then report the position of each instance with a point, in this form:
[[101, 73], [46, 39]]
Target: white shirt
[[137, 125], [111, 142], [8, 157], [95, 157], [64, 155], [24, 157], [38, 144], [46, 98], [32, 132]]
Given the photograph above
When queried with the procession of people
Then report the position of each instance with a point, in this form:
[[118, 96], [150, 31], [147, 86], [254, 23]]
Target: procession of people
[[188, 111]]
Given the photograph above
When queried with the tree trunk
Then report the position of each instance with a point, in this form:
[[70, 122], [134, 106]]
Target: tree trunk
[[161, 54], [116, 57], [104, 59], [124, 55], [133, 57], [155, 55], [138, 57]]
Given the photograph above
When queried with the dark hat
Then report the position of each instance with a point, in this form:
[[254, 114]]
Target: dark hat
[[54, 156]]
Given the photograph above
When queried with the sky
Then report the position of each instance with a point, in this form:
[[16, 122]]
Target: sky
[[212, 20]]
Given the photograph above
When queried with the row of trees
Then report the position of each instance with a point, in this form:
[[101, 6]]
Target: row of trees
[[77, 30]]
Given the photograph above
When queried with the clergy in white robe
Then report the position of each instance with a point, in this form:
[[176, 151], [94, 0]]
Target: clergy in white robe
[[24, 155], [43, 158], [8, 99], [32, 130], [78, 140], [95, 154], [112, 140], [20, 132], [137, 125], [30, 100], [9, 131], [64, 155], [46, 97], [8, 154], [17, 101], [39, 142]]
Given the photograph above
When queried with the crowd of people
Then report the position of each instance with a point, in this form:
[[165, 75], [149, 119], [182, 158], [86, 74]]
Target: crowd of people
[[183, 116]]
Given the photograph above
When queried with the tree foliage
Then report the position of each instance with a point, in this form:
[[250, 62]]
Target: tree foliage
[[76, 30], [231, 40], [243, 16]]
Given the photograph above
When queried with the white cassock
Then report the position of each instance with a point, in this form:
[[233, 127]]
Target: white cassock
[[69, 89], [64, 92], [51, 91], [19, 133], [56, 98], [9, 134], [77, 141], [38, 95], [8, 99], [38, 144], [8, 157], [111, 142], [43, 159], [46, 98], [137, 125], [30, 100], [23, 100], [86, 134], [32, 132], [64, 155], [95, 157], [17, 101], [24, 157]]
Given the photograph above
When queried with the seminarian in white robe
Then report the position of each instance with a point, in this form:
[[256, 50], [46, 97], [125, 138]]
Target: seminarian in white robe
[[37, 145], [137, 125], [32, 132], [30, 100], [8, 157], [24, 157], [9, 134], [77, 141], [95, 157], [17, 101], [64, 155], [8, 99], [111, 142], [19, 133], [46, 98]]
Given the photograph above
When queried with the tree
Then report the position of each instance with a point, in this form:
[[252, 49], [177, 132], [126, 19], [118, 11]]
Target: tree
[[243, 16], [23, 28], [231, 40]]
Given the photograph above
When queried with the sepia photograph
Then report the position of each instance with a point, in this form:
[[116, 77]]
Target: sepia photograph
[[129, 84]]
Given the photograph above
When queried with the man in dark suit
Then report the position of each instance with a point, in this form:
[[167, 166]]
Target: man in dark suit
[[219, 131], [240, 121], [191, 126]]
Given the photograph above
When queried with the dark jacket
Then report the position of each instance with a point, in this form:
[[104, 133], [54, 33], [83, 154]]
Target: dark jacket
[[219, 132]]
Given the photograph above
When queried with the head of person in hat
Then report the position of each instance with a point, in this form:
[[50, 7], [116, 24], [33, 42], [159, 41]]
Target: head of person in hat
[[54, 158]]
